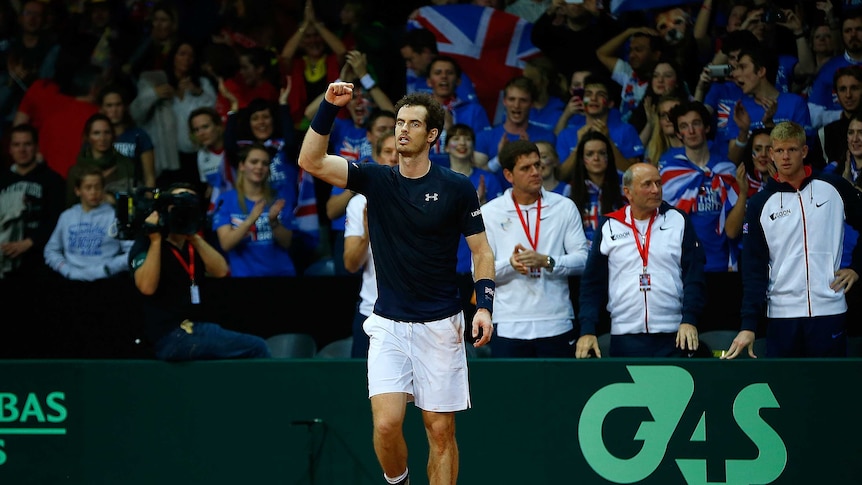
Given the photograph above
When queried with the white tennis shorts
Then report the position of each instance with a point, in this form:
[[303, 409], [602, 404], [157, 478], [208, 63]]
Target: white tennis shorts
[[426, 360]]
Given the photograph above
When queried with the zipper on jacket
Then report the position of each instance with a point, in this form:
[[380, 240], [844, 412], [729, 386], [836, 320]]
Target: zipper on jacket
[[805, 248], [646, 313]]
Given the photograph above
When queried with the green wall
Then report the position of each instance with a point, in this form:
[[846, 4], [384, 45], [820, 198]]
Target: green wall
[[135, 422]]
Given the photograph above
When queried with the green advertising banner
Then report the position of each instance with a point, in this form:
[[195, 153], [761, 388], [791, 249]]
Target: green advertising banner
[[611, 421]]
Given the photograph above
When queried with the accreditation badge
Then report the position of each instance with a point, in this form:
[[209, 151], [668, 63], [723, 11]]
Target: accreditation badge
[[644, 283]]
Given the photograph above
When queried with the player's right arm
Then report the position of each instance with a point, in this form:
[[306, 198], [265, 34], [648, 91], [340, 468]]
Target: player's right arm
[[312, 156]]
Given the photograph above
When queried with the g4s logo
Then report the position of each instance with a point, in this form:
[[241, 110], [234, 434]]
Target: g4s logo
[[666, 392]]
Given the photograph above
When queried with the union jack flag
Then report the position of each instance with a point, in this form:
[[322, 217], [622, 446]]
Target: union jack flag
[[252, 232], [489, 44], [682, 182], [755, 183], [350, 150], [723, 114], [709, 191]]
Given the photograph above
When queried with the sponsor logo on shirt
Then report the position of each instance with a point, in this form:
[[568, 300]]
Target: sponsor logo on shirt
[[779, 214]]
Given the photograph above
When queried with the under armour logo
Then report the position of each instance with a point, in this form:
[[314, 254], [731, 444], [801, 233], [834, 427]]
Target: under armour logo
[[430, 197]]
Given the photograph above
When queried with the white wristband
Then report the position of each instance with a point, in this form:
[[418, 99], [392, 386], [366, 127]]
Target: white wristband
[[740, 144], [367, 82]]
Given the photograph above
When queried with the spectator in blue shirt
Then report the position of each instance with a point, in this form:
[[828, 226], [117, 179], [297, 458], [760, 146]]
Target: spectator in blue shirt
[[518, 95], [254, 229], [598, 105]]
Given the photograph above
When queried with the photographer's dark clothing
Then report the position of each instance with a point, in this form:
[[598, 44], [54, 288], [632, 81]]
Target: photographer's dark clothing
[[171, 303], [178, 328], [209, 341]]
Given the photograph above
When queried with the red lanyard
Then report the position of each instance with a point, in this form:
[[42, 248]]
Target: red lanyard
[[190, 267], [643, 249], [526, 223]]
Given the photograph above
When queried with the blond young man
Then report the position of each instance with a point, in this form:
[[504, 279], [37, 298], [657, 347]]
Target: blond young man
[[791, 253]]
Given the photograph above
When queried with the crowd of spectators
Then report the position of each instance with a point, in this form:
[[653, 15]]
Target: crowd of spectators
[[155, 93]]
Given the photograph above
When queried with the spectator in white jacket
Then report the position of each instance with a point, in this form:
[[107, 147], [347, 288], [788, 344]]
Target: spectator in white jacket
[[162, 107], [82, 246], [538, 239]]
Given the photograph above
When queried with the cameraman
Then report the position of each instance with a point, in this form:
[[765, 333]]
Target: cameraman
[[170, 263]]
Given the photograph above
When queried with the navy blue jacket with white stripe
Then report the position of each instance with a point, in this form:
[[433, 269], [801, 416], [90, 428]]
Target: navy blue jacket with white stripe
[[791, 248]]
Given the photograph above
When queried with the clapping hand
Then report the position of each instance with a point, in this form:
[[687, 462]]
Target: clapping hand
[[164, 91], [275, 209], [357, 61], [515, 261], [187, 86], [649, 109], [257, 210], [742, 178], [825, 6], [770, 106], [741, 117], [481, 190], [309, 14]]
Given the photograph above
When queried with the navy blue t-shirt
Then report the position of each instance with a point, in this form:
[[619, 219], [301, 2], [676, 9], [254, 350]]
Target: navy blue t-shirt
[[415, 226]]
